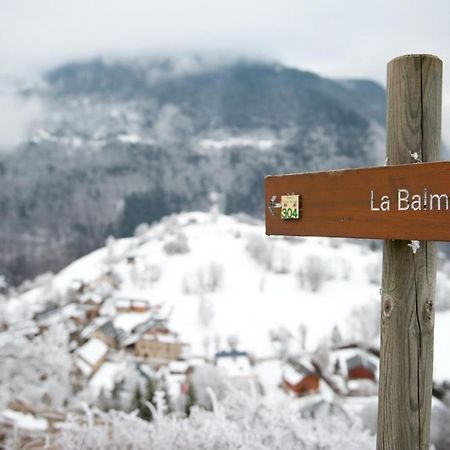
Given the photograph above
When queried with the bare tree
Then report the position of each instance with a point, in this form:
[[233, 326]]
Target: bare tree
[[302, 331], [205, 311], [233, 341]]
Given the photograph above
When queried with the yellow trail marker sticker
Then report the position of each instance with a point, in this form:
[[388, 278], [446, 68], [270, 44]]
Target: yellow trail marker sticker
[[290, 207]]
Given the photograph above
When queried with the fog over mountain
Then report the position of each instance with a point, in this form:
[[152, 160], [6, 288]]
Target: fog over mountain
[[121, 142]]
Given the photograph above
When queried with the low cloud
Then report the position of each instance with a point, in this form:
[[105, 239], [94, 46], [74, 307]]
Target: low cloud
[[19, 114]]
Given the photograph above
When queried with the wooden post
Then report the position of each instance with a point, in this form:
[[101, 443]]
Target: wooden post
[[414, 100]]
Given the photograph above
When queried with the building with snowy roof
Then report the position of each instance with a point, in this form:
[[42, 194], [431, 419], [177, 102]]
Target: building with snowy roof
[[90, 357], [300, 377], [160, 347], [235, 364], [360, 367]]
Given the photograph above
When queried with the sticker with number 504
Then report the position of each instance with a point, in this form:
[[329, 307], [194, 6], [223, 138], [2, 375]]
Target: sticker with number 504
[[290, 208]]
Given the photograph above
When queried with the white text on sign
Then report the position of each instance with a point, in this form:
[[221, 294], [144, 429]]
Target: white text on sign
[[404, 201]]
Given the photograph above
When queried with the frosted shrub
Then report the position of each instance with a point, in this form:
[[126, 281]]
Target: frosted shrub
[[141, 230], [440, 431], [206, 378], [442, 293], [364, 322], [205, 312], [271, 256], [210, 277], [280, 260], [373, 271], [280, 339], [322, 354], [205, 279], [238, 421], [177, 246], [260, 250], [313, 273]]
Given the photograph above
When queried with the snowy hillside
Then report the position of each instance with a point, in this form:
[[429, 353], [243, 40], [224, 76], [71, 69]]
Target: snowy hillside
[[220, 278]]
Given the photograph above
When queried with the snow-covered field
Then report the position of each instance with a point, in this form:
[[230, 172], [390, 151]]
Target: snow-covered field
[[229, 279]]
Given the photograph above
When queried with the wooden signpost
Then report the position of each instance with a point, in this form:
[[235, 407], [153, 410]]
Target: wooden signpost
[[409, 199]]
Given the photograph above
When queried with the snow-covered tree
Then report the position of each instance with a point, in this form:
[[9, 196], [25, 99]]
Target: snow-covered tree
[[280, 339], [36, 371], [205, 378], [206, 342], [205, 312], [110, 251], [313, 273], [233, 341], [364, 322], [303, 332], [336, 336], [322, 354], [178, 245]]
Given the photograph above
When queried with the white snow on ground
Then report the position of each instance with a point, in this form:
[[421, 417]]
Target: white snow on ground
[[24, 420], [250, 300], [269, 374], [105, 377], [89, 267]]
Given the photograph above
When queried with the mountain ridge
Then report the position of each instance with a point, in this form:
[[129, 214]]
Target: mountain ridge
[[128, 142]]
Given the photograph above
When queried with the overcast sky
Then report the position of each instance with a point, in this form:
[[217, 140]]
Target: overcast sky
[[335, 38]]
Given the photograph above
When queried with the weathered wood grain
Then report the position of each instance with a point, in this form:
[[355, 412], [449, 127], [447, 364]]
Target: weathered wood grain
[[414, 86]]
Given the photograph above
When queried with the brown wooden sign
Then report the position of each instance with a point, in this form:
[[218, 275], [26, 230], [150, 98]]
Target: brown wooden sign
[[405, 202]]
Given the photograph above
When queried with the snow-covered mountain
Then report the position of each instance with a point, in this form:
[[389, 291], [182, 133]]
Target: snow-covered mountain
[[219, 277], [116, 143]]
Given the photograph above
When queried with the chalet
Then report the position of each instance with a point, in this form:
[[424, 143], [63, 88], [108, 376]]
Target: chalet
[[109, 334], [90, 357], [301, 378], [49, 316], [360, 367], [124, 305], [88, 331], [91, 303], [235, 364], [76, 288], [165, 347], [75, 314], [151, 326], [353, 368]]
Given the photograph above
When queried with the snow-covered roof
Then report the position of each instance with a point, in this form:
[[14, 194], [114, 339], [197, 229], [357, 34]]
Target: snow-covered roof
[[302, 366], [360, 361], [93, 351], [235, 366], [87, 332], [291, 375], [178, 366], [125, 302], [86, 369], [130, 320], [91, 297]]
